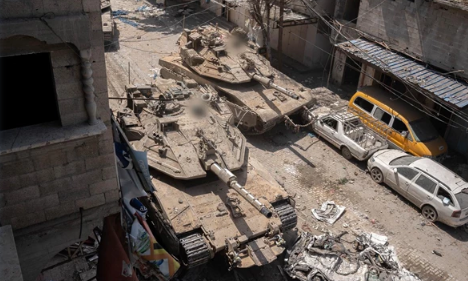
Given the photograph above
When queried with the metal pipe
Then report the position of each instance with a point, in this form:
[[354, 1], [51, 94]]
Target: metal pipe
[[231, 180]]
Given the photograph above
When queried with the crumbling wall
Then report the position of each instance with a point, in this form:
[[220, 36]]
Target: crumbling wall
[[432, 32]]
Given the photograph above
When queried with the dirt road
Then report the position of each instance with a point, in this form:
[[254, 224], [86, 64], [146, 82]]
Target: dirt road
[[306, 166]]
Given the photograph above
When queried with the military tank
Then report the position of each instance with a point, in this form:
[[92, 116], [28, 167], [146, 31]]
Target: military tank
[[258, 95], [210, 196]]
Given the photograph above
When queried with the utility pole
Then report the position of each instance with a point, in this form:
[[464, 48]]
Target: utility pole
[[280, 36], [129, 81]]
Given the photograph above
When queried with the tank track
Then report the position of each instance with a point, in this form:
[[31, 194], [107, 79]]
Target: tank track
[[196, 251], [287, 215]]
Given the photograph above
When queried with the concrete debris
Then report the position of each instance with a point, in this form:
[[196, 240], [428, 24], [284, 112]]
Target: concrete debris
[[329, 212], [436, 253], [325, 258]]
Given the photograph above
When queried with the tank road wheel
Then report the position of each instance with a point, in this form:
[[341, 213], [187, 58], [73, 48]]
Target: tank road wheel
[[376, 175], [287, 215], [429, 213], [346, 153], [195, 251]]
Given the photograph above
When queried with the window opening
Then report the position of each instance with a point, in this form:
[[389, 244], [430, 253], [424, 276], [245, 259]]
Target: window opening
[[351, 10], [383, 116], [407, 172], [442, 193], [426, 183], [27, 91], [365, 105], [332, 123]]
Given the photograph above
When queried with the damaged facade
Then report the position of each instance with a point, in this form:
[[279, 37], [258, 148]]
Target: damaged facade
[[304, 39], [414, 48], [57, 168]]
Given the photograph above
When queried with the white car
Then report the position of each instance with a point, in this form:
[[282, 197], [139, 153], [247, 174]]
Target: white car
[[440, 194], [345, 131]]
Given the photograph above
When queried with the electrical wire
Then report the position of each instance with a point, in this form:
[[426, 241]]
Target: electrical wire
[[391, 90], [365, 13], [458, 114], [359, 70], [423, 109]]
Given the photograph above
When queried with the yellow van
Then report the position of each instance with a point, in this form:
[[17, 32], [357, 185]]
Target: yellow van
[[405, 127]]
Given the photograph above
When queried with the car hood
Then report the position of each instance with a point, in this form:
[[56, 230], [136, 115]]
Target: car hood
[[436, 147], [320, 111], [387, 155]]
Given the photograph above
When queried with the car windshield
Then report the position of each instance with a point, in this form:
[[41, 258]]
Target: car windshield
[[423, 130], [404, 160], [462, 198]]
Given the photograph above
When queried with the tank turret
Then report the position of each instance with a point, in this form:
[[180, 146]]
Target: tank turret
[[258, 95], [209, 196]]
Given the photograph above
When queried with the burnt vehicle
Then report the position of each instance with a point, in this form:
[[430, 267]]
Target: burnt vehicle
[[208, 198], [258, 95], [325, 258]]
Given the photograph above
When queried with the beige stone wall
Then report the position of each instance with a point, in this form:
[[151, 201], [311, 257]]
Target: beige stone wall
[[434, 33], [47, 175], [46, 183]]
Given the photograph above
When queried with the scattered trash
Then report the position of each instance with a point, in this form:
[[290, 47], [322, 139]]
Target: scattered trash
[[329, 212], [118, 13], [127, 21], [325, 258], [436, 253], [343, 181], [374, 238], [155, 73], [345, 225], [142, 8], [311, 135]]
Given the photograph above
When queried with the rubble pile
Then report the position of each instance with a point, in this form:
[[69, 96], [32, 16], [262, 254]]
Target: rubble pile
[[325, 258]]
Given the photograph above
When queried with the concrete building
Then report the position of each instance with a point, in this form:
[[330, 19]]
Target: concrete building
[[303, 40], [415, 47], [57, 166]]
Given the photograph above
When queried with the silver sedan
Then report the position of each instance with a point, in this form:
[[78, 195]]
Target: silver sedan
[[440, 194]]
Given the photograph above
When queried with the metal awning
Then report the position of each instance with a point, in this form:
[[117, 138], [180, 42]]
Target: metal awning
[[445, 88]]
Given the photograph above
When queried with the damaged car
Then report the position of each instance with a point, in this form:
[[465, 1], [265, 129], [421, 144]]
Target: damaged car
[[345, 131], [325, 258]]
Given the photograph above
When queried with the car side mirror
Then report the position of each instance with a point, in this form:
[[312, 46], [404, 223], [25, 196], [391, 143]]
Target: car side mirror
[[446, 201], [395, 171], [404, 134]]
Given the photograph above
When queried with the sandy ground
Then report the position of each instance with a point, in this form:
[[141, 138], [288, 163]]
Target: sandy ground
[[308, 168]]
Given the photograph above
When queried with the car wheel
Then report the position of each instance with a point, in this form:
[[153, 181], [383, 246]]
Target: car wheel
[[346, 153], [465, 227], [376, 175], [429, 213]]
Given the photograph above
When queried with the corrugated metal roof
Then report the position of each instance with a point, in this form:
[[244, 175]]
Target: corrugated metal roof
[[445, 88]]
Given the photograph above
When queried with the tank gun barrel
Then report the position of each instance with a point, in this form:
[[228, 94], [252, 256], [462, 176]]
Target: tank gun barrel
[[269, 83], [231, 180]]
